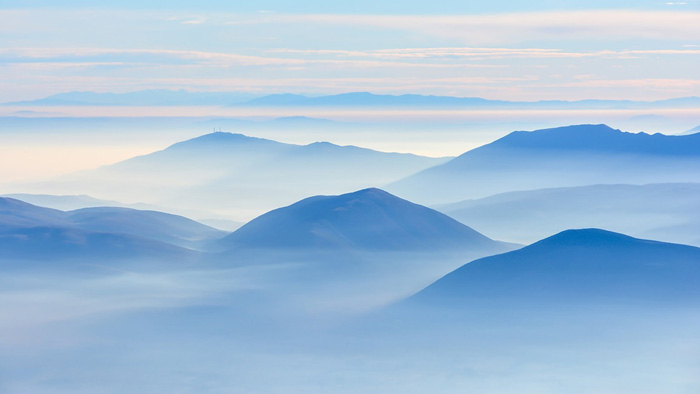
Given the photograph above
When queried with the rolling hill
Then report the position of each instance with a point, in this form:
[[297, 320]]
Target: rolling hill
[[584, 266], [20, 220], [369, 219]]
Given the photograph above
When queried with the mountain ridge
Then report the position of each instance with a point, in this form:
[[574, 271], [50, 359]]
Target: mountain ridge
[[165, 97], [18, 216], [366, 219], [581, 265], [557, 157]]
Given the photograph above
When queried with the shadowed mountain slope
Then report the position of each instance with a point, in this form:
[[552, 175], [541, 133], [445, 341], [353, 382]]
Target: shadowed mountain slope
[[367, 219], [588, 265], [560, 157], [18, 217]]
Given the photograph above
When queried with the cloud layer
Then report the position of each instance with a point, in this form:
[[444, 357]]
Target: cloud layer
[[533, 55]]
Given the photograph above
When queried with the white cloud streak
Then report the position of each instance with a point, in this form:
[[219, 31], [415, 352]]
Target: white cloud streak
[[520, 27]]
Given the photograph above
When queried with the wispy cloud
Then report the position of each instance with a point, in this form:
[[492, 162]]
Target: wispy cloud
[[520, 27], [493, 53]]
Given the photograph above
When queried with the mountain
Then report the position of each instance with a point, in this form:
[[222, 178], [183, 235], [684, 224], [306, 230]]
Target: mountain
[[164, 97], [358, 99], [28, 232], [588, 265], [560, 157], [16, 213], [18, 217], [142, 97], [369, 219], [49, 244], [239, 177], [667, 212], [367, 99]]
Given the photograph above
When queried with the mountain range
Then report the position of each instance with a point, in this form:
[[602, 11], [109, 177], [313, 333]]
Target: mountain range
[[152, 97], [240, 177], [560, 157], [157, 97]]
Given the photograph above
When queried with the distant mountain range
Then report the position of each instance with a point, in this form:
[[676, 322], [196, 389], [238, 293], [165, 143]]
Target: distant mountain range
[[560, 157], [365, 99], [153, 97], [239, 176], [369, 219], [666, 212], [352, 99], [574, 267]]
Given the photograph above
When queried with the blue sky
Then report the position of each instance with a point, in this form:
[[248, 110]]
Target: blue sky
[[498, 49], [420, 7]]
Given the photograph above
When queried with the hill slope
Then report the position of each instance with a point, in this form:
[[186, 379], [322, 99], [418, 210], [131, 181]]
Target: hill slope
[[587, 265], [566, 156], [367, 219], [18, 217]]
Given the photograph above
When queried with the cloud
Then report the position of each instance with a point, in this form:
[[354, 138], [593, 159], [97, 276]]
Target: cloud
[[520, 27], [193, 22], [482, 53], [210, 57], [275, 52]]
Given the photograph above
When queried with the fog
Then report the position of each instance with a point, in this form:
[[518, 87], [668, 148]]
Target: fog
[[235, 330], [278, 316], [41, 142]]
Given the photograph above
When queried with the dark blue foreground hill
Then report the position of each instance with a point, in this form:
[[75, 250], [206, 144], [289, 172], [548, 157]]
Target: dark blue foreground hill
[[591, 265], [369, 219]]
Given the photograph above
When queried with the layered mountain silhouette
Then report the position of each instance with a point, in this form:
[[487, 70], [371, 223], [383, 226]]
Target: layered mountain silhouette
[[142, 97], [369, 219], [590, 265], [29, 231], [161, 97], [366, 99], [666, 212], [566, 156], [241, 177]]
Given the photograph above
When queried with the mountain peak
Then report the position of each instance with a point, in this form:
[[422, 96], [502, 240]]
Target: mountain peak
[[221, 138], [366, 219], [584, 264]]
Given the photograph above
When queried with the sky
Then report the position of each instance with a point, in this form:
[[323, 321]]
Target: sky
[[499, 49]]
